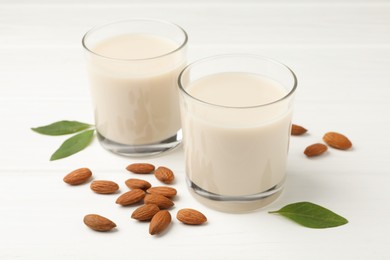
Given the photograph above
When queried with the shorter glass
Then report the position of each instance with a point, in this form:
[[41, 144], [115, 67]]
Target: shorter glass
[[236, 120], [133, 67]]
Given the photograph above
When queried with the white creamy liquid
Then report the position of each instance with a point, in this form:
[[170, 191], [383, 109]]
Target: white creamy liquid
[[236, 151], [135, 95]]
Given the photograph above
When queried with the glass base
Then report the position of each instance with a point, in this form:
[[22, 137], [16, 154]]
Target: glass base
[[141, 150], [235, 204]]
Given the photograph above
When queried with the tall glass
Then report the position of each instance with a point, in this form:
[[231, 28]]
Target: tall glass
[[236, 120], [133, 67]]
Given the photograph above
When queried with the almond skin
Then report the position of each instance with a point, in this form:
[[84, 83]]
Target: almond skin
[[141, 168], [78, 176], [138, 184], [168, 192], [159, 222], [191, 217], [145, 212], [337, 140], [297, 130], [164, 175], [130, 197], [98, 223], [159, 200], [104, 187], [315, 149]]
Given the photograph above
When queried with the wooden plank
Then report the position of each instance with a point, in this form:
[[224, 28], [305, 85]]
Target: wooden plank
[[219, 24]]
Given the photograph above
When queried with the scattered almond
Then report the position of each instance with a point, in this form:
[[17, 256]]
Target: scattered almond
[[191, 217], [315, 149], [98, 223], [104, 187], [130, 197], [168, 192], [164, 175], [138, 184], [156, 199], [159, 200], [145, 212], [297, 130], [337, 140], [78, 176], [141, 168], [159, 222]]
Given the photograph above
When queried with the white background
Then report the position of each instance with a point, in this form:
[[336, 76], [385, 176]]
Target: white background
[[340, 51]]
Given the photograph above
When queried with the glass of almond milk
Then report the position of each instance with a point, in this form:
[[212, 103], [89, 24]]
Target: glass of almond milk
[[133, 67], [236, 118]]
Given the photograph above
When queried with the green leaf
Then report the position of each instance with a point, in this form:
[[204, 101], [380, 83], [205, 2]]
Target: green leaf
[[73, 145], [311, 215], [62, 128]]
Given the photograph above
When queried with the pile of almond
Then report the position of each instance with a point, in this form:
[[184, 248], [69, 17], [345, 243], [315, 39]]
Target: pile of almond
[[153, 202], [332, 139]]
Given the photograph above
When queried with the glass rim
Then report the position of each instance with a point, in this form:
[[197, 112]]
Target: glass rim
[[238, 55], [98, 27]]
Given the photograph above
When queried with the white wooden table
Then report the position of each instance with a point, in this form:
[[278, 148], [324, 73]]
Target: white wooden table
[[340, 51]]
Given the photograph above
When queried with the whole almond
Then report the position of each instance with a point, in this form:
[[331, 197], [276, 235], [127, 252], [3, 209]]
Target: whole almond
[[138, 184], [191, 217], [164, 175], [161, 201], [98, 223], [130, 197], [78, 176], [168, 192], [104, 187], [337, 140], [159, 222], [141, 168], [315, 149], [297, 130], [145, 212]]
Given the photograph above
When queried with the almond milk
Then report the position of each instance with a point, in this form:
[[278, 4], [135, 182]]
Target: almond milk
[[134, 88], [234, 147]]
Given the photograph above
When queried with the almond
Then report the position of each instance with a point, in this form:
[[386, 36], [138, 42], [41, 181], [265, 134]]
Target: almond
[[130, 197], [138, 184], [337, 140], [159, 200], [315, 149], [78, 176], [98, 223], [159, 222], [145, 212], [191, 217], [164, 175], [104, 187], [141, 168], [297, 130], [168, 192]]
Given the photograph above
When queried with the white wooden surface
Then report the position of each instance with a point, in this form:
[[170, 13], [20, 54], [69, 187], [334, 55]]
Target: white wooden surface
[[340, 51]]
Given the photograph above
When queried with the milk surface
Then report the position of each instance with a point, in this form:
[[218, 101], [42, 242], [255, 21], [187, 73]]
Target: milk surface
[[134, 93], [236, 148]]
